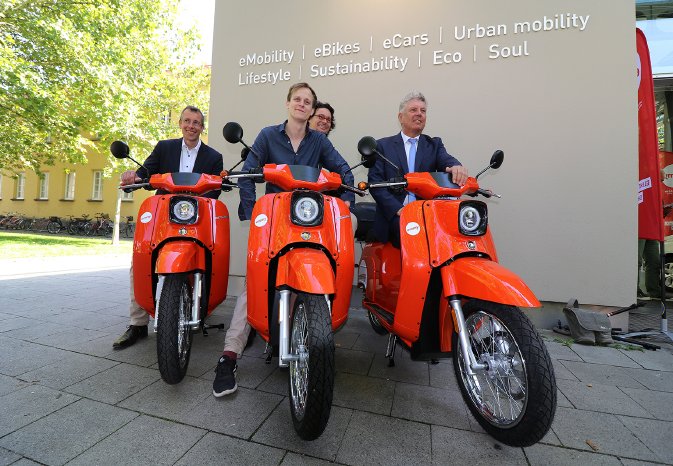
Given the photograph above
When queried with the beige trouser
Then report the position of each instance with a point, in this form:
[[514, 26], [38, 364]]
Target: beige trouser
[[137, 313], [239, 328]]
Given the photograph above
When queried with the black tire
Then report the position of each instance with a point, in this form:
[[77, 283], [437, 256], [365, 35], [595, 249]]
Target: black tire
[[72, 227], [376, 325], [518, 414], [53, 227], [130, 230], [311, 381], [174, 339]]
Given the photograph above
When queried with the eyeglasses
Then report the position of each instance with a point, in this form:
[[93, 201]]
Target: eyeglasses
[[189, 122], [323, 118]]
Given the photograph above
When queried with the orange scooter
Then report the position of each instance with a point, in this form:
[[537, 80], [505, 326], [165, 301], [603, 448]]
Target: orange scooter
[[180, 260], [300, 272], [444, 294]]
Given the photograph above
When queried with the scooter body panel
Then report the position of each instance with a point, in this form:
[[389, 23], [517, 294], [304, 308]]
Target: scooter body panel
[[163, 247], [480, 278], [306, 270]]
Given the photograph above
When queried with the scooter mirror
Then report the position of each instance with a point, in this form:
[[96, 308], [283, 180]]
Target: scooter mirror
[[244, 153], [368, 161], [497, 158], [367, 147], [119, 149], [232, 132]]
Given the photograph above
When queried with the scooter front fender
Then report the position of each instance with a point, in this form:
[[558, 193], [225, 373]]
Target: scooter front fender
[[307, 270], [484, 279], [180, 256]]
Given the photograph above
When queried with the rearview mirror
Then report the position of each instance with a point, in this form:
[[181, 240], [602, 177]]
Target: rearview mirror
[[497, 158], [119, 149], [367, 147], [232, 132]]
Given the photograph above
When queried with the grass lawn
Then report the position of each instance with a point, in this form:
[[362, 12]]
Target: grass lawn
[[20, 245]]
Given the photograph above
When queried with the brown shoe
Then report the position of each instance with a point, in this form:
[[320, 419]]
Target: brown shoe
[[130, 336]]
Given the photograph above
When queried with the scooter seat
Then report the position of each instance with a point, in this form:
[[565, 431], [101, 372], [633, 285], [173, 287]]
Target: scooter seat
[[365, 212]]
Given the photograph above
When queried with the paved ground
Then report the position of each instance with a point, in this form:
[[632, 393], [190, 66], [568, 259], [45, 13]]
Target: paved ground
[[67, 398]]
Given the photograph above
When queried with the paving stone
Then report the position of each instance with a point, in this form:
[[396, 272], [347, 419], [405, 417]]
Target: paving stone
[[575, 427], [345, 338], [405, 370], [144, 440], [453, 446], [653, 379], [659, 404], [430, 405], [115, 384], [72, 369], [8, 457], [141, 353], [278, 431], [220, 449], [604, 355], [630, 462], [239, 414], [251, 371], [442, 375], [293, 459], [363, 393], [86, 320], [99, 347], [376, 439], [10, 384], [276, 382], [601, 373], [64, 434], [655, 360], [19, 356], [656, 435], [169, 401], [353, 361], [554, 456], [561, 352], [598, 397], [15, 323], [70, 338], [371, 342], [25, 462], [561, 372], [562, 401]]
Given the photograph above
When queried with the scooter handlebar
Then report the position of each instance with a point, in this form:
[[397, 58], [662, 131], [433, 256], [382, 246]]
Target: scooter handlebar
[[359, 192]]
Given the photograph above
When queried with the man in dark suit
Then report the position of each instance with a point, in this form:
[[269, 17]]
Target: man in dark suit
[[187, 154], [427, 155]]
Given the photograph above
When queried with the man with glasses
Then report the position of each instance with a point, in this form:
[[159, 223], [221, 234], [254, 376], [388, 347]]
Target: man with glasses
[[323, 118], [186, 154]]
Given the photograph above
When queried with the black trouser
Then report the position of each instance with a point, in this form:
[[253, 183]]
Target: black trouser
[[394, 231]]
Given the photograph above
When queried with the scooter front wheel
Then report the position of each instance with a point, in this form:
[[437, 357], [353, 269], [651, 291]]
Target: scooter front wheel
[[513, 397], [312, 374], [174, 336]]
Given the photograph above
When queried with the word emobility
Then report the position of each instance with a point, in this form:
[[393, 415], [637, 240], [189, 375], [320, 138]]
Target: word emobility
[[389, 63]]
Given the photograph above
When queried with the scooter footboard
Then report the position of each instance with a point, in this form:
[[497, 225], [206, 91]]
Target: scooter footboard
[[487, 280], [307, 270], [180, 256]]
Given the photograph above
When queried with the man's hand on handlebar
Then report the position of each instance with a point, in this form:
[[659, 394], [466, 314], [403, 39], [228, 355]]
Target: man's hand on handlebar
[[129, 177], [458, 174]]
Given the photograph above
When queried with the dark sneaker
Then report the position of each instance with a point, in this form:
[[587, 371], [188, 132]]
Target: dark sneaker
[[225, 377], [130, 336]]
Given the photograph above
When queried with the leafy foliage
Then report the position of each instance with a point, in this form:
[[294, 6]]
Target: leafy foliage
[[77, 74]]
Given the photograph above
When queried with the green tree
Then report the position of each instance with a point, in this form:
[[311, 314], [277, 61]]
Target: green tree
[[77, 74]]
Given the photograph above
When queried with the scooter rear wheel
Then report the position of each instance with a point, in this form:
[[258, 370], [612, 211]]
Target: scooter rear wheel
[[311, 380], [174, 337], [514, 398]]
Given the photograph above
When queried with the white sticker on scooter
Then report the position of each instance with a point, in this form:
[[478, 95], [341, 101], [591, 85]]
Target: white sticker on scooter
[[413, 228], [146, 217], [261, 220]]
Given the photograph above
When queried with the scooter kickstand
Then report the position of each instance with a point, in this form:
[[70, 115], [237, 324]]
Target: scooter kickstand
[[268, 350], [390, 350]]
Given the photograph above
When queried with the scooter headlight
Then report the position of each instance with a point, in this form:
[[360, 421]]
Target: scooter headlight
[[184, 210], [307, 209], [472, 218]]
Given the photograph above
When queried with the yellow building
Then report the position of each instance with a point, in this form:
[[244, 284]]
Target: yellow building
[[68, 190]]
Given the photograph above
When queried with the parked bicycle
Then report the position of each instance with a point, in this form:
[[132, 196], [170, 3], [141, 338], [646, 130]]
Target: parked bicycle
[[55, 225], [128, 229], [100, 226]]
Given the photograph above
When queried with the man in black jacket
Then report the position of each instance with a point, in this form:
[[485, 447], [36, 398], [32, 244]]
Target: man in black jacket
[[187, 154]]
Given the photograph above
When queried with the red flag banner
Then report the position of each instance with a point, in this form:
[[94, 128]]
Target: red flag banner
[[650, 213]]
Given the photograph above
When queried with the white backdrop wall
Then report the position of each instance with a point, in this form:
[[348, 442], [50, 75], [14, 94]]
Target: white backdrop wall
[[563, 110]]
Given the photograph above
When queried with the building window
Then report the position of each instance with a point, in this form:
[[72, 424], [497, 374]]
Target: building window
[[44, 186], [97, 193], [20, 186], [69, 186], [127, 196]]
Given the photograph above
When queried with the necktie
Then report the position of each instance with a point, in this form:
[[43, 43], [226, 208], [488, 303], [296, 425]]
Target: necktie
[[412, 163]]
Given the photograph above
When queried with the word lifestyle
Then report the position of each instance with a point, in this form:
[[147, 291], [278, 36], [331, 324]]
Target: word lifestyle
[[268, 77]]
